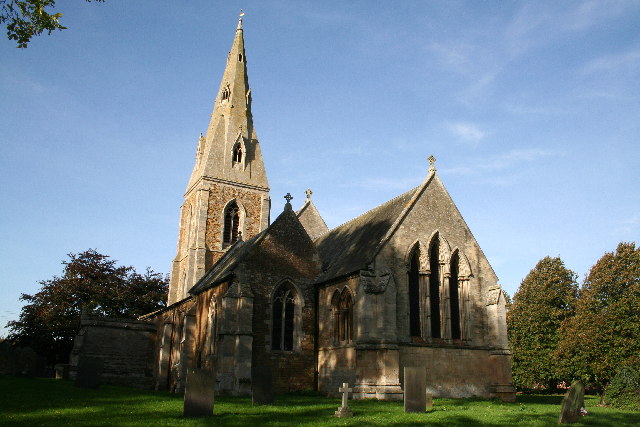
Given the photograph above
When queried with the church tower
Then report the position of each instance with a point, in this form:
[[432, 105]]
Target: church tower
[[227, 197]]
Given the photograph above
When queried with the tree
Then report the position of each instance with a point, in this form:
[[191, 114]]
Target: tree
[[544, 299], [50, 320], [604, 335], [27, 18]]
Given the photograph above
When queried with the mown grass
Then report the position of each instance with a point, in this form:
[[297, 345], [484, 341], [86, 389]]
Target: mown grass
[[38, 401]]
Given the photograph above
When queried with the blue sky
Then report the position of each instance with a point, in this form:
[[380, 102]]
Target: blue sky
[[531, 108]]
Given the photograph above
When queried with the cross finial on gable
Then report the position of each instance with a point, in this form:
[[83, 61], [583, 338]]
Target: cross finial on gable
[[308, 193], [288, 197], [432, 163]]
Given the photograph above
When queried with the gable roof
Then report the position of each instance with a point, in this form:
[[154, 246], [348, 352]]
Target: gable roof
[[223, 269], [352, 245], [311, 220]]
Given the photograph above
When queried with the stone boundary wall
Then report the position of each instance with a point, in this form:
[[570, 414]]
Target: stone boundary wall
[[126, 347]]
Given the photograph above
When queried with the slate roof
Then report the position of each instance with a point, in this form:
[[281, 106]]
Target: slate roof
[[352, 245], [229, 261]]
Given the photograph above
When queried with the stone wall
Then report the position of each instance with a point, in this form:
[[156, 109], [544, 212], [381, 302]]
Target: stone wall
[[126, 347], [458, 372]]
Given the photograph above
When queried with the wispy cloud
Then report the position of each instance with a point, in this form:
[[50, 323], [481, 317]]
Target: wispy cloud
[[502, 161], [467, 132], [614, 62]]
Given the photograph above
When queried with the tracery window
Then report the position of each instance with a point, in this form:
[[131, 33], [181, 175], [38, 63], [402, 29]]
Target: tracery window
[[342, 306], [283, 317], [231, 223]]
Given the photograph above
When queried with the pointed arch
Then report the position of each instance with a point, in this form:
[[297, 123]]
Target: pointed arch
[[286, 316], [233, 216], [434, 285], [238, 152], [454, 297], [414, 293]]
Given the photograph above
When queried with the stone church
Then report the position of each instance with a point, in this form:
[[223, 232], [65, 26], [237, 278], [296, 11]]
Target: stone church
[[404, 284]]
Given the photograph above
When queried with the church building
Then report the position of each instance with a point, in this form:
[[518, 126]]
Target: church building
[[402, 285]]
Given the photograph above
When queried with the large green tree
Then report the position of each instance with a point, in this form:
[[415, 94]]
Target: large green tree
[[91, 281], [544, 299], [604, 335], [25, 19]]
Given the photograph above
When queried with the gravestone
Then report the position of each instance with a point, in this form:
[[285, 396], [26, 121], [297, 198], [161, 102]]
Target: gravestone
[[344, 410], [415, 388], [261, 385], [89, 373], [198, 395], [572, 403], [62, 371], [429, 401]]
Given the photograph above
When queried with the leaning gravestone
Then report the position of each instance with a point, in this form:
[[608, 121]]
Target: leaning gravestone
[[572, 402], [415, 389], [261, 385], [198, 395], [89, 373]]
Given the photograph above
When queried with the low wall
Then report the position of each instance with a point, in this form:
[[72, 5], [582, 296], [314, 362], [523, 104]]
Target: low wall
[[126, 347]]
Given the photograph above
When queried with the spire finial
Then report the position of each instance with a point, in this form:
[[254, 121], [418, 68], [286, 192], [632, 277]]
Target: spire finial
[[432, 163], [308, 193], [240, 20]]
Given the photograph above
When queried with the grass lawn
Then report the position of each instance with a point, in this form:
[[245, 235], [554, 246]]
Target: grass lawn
[[39, 401]]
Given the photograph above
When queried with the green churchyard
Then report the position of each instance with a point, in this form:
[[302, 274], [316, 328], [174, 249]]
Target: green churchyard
[[39, 401]]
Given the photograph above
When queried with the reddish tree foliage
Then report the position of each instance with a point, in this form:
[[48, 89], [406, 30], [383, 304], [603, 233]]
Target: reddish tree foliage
[[50, 318]]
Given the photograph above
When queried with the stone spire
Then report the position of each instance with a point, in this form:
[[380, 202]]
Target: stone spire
[[231, 151], [227, 198]]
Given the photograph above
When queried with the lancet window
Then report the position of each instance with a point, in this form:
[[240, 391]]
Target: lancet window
[[414, 295], [231, 223], [342, 307], [434, 287], [454, 298], [226, 92], [237, 154], [438, 292], [283, 317]]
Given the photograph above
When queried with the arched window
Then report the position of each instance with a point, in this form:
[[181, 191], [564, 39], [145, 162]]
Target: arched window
[[342, 305], [226, 93], [284, 305], [414, 295], [346, 316], [237, 154], [335, 309], [231, 223], [454, 298], [434, 287]]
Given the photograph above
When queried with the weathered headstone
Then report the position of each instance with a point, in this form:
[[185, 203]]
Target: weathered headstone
[[415, 389], [261, 385], [344, 410], [198, 395], [572, 403], [89, 373], [62, 371], [429, 401]]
